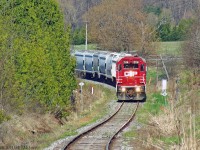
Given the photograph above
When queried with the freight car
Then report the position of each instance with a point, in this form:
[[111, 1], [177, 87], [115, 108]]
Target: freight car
[[126, 70]]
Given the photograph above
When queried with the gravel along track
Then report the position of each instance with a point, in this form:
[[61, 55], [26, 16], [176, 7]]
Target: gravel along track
[[98, 138]]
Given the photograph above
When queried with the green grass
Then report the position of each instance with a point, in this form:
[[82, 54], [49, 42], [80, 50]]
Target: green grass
[[130, 134], [151, 75], [152, 106], [82, 47], [165, 48], [154, 100], [169, 48], [170, 140], [70, 132]]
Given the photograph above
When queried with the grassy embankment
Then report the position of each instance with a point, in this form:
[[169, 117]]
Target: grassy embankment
[[40, 130], [87, 111], [94, 107], [171, 123]]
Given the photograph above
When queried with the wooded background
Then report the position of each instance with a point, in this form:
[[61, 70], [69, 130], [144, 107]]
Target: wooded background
[[152, 20]]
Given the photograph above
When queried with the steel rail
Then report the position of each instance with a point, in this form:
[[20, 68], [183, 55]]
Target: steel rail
[[92, 128], [108, 145]]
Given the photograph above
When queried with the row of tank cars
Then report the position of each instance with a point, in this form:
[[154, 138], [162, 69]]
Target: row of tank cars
[[127, 71]]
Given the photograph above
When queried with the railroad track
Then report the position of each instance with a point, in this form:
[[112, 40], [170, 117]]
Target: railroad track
[[102, 136]]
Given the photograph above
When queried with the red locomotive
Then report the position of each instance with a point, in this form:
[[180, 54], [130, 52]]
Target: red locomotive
[[128, 71], [131, 78]]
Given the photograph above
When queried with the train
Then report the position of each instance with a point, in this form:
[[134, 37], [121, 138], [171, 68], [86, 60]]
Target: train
[[126, 71]]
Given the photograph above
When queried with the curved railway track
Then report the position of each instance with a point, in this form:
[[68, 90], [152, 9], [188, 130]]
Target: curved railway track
[[111, 143], [102, 136]]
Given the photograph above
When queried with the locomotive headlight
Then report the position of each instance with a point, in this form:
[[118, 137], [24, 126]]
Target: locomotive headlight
[[123, 89], [138, 89]]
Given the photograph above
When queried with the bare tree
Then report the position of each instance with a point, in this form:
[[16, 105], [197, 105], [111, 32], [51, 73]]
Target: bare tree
[[191, 47], [74, 9], [120, 25], [69, 10], [179, 8]]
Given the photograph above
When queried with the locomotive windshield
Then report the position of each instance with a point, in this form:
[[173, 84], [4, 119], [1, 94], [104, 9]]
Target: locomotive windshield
[[130, 66]]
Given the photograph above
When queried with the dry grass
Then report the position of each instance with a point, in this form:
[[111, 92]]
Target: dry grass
[[177, 125], [21, 130], [40, 130]]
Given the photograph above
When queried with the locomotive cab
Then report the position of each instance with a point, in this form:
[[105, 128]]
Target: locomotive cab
[[131, 78]]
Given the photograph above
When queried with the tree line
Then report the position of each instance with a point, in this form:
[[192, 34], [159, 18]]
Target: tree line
[[170, 18], [36, 69], [135, 25]]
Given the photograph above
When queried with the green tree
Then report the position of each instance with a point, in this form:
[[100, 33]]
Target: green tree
[[184, 26], [78, 36], [164, 32], [7, 65], [170, 32], [43, 70]]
